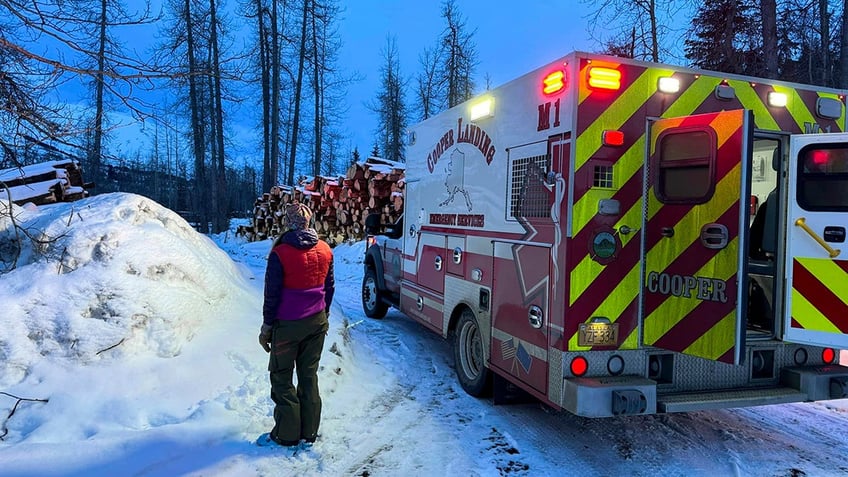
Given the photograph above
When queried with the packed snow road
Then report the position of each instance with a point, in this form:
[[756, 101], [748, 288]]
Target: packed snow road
[[527, 439]]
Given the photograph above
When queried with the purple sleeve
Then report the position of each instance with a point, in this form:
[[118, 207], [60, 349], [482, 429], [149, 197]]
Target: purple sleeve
[[329, 287], [273, 289]]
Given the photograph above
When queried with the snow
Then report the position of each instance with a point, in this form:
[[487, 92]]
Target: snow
[[141, 334]]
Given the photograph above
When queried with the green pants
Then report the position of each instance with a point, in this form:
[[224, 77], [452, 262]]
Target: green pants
[[296, 345]]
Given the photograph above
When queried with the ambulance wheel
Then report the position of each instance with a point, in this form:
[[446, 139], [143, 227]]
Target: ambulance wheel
[[372, 301], [469, 361]]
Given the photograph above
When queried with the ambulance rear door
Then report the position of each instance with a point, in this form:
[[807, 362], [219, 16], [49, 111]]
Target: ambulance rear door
[[816, 297], [695, 234]]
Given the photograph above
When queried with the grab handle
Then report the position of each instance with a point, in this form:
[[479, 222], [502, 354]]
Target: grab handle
[[802, 222]]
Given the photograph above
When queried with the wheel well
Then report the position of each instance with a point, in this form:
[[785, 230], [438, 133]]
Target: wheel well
[[455, 314], [372, 260]]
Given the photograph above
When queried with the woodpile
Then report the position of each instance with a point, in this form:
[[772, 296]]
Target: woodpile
[[339, 204], [44, 183]]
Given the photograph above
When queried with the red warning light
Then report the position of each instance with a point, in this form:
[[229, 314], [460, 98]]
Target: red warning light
[[604, 78], [579, 366], [828, 355], [612, 138], [554, 82], [820, 158]]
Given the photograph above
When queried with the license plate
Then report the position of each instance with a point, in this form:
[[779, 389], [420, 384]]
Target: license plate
[[597, 334]]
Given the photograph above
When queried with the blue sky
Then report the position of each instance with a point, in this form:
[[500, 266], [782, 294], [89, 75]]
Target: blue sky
[[512, 38]]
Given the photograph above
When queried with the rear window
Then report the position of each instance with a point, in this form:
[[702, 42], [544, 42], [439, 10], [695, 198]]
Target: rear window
[[685, 172], [823, 178]]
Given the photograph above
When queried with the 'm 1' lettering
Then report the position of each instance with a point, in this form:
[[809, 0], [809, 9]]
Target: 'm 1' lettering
[[545, 115]]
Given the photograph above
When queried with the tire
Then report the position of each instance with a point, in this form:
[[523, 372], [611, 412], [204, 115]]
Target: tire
[[372, 299], [469, 361]]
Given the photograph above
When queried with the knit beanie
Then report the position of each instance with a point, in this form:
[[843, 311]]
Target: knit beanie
[[297, 217]]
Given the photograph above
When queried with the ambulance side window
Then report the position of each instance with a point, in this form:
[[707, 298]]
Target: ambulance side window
[[685, 169], [528, 195], [823, 177]]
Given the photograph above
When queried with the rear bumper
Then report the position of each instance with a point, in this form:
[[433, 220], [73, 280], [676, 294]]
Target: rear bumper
[[635, 395]]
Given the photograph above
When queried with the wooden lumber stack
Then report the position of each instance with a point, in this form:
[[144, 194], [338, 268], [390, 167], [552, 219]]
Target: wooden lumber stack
[[44, 183], [340, 204]]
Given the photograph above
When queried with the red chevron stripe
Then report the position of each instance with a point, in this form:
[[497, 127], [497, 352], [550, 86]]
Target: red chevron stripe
[[820, 296], [728, 356], [693, 258], [701, 319]]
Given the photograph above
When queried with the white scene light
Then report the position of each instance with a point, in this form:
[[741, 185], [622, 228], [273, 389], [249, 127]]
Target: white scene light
[[668, 84], [776, 99], [482, 109]]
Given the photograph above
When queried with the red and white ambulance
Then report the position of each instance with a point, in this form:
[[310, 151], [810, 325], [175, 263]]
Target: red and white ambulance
[[618, 237]]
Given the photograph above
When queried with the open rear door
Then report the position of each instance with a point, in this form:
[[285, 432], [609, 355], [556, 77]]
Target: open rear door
[[695, 235], [817, 255]]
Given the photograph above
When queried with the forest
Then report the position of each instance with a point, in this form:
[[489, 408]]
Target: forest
[[186, 79]]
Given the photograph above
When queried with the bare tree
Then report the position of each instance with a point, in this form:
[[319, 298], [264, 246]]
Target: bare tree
[[459, 57], [638, 28], [389, 105], [429, 90], [81, 48]]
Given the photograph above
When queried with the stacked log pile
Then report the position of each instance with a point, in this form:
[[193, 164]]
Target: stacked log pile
[[44, 183], [340, 204]]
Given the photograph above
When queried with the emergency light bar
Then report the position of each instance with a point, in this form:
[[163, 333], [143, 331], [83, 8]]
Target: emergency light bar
[[554, 82], [604, 78]]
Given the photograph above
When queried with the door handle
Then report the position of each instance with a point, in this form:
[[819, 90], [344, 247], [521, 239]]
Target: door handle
[[714, 236], [802, 222], [536, 317]]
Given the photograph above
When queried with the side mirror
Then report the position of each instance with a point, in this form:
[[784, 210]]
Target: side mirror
[[372, 224]]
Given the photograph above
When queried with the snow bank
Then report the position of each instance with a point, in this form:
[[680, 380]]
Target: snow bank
[[107, 277]]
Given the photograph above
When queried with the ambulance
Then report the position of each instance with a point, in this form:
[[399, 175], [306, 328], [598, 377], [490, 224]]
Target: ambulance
[[615, 237]]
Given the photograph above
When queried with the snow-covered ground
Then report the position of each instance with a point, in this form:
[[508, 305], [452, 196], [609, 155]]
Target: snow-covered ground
[[140, 335]]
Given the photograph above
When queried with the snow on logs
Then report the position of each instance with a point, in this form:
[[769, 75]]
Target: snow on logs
[[44, 183], [340, 204]]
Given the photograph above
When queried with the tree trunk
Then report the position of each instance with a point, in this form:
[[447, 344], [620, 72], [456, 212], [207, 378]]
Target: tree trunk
[[264, 67], [298, 88], [316, 78], [196, 123], [768, 11], [843, 51], [824, 19], [276, 58], [95, 155], [221, 211]]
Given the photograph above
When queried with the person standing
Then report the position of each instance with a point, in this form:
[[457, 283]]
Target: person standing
[[299, 288]]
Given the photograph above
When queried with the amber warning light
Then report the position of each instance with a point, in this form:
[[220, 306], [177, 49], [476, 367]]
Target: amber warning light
[[604, 78], [554, 82]]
